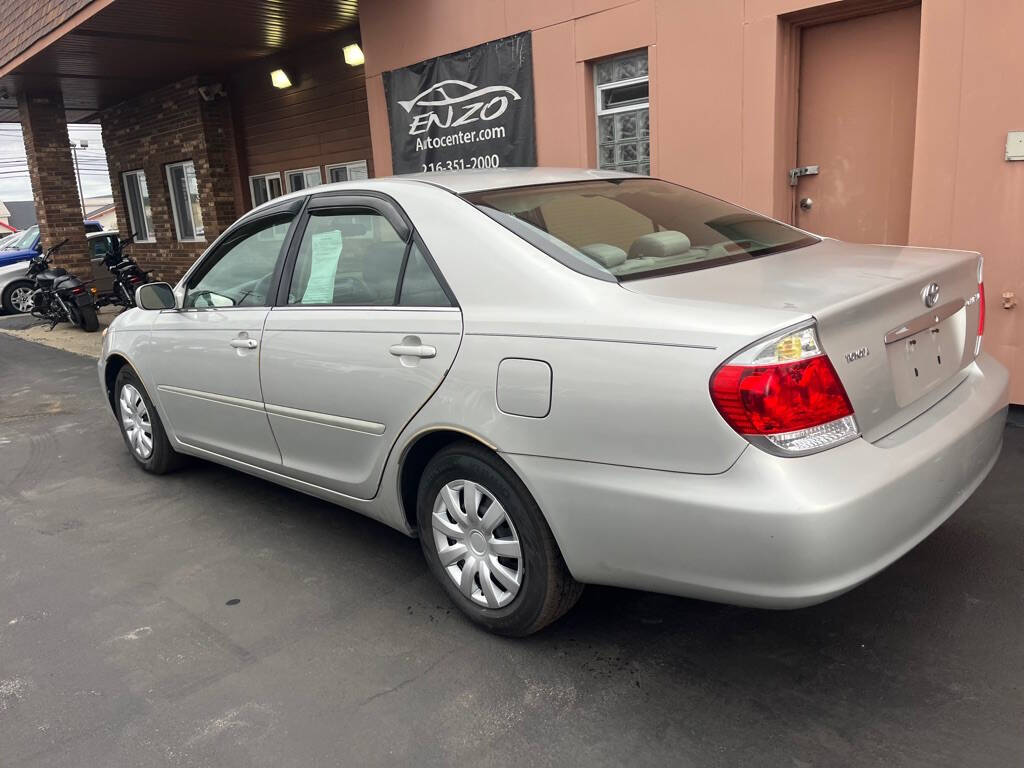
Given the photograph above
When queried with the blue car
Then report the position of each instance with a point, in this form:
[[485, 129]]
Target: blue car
[[23, 245]]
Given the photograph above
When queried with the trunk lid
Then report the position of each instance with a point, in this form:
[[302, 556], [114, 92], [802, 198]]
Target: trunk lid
[[895, 355]]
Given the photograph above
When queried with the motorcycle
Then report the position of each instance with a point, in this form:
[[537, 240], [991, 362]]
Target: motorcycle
[[58, 296], [128, 275]]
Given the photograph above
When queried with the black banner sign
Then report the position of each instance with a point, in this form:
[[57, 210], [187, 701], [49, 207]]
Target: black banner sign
[[470, 109]]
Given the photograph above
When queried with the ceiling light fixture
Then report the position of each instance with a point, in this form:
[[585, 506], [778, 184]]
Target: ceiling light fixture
[[280, 79], [353, 55]]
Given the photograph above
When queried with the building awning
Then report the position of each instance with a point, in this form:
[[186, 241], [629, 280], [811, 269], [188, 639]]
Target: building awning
[[113, 50]]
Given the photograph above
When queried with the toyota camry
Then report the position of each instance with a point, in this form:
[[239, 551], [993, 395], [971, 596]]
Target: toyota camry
[[557, 378]]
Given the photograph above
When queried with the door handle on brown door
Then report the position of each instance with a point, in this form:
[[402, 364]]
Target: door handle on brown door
[[244, 343]]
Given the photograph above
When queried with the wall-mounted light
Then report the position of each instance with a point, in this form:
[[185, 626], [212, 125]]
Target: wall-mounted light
[[280, 79], [353, 55]]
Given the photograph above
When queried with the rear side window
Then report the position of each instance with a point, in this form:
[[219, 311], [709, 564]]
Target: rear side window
[[355, 257], [635, 228], [350, 258], [420, 287]]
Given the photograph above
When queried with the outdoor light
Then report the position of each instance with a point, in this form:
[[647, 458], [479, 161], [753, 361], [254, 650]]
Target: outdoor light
[[280, 79], [353, 55]]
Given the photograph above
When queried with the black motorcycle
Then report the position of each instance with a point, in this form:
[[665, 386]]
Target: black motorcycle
[[128, 275], [59, 296]]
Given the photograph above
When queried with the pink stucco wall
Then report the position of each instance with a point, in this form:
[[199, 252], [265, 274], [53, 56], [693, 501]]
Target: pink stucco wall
[[716, 98]]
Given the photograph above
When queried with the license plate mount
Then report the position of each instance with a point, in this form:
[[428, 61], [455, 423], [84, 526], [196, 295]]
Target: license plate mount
[[924, 354]]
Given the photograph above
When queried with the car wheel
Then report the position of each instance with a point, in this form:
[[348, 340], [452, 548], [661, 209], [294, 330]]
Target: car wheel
[[486, 541], [141, 427], [17, 297]]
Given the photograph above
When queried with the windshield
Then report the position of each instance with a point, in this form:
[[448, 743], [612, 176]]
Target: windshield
[[20, 241], [635, 228]]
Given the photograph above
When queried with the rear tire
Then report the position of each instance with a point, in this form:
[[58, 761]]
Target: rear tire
[[517, 582], [141, 428], [17, 297], [85, 318]]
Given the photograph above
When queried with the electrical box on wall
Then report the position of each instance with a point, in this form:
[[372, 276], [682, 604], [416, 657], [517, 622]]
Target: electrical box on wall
[[1015, 145]]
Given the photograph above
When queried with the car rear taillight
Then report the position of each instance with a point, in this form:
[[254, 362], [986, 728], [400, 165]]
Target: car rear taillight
[[981, 306], [77, 290], [783, 395]]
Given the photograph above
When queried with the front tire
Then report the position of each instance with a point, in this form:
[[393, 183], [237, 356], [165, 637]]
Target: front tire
[[141, 428], [85, 318], [486, 541], [17, 297]]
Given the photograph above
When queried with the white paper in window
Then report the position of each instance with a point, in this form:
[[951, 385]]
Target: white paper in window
[[323, 268]]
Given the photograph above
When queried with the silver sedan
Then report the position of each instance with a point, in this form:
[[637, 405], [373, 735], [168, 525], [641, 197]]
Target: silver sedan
[[556, 378]]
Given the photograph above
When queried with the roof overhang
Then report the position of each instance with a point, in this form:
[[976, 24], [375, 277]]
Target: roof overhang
[[113, 50]]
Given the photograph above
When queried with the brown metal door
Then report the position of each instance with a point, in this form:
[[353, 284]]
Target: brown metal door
[[858, 99]]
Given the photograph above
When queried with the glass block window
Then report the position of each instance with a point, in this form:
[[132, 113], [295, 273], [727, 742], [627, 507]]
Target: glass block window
[[622, 99]]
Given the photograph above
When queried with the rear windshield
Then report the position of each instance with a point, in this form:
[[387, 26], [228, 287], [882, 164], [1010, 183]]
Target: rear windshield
[[635, 228]]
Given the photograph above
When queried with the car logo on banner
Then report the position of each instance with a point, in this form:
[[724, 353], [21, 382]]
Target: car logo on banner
[[448, 111], [464, 110]]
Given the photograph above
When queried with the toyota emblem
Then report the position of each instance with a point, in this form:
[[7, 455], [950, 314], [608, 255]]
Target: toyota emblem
[[930, 295]]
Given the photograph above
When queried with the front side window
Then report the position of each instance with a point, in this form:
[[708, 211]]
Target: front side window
[[303, 178], [623, 113], [347, 171], [140, 214], [264, 187], [184, 188], [240, 272], [635, 228]]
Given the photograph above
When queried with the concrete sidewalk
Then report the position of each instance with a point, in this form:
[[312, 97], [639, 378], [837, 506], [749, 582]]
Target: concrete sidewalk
[[122, 644], [64, 336]]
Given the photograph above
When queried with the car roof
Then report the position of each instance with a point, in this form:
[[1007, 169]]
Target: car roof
[[459, 182], [462, 182]]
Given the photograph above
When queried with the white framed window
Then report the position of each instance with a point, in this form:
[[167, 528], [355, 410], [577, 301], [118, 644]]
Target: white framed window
[[264, 187], [303, 178], [140, 214], [347, 171], [622, 99], [184, 188]]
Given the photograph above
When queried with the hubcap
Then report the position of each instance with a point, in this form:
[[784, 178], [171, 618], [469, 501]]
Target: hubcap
[[477, 544], [138, 430], [21, 298]]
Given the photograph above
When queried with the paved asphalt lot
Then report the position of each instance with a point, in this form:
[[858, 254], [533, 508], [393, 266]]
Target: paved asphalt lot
[[118, 647]]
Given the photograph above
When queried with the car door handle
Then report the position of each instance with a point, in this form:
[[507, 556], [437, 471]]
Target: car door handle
[[244, 343], [413, 350]]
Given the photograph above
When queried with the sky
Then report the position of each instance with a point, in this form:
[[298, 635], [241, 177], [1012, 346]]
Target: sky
[[14, 182]]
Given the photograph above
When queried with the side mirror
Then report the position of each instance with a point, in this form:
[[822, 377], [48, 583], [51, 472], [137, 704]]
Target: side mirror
[[155, 296]]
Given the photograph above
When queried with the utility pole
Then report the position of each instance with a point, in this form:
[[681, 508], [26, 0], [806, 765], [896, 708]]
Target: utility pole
[[83, 143]]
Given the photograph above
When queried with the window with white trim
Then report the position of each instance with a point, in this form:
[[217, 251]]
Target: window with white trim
[[622, 98], [140, 214], [303, 178], [184, 188], [264, 187], [347, 171]]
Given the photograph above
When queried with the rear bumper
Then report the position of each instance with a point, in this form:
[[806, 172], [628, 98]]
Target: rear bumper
[[775, 532]]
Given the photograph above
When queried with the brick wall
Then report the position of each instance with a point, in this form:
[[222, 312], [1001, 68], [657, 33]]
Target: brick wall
[[165, 126], [52, 172], [22, 22]]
